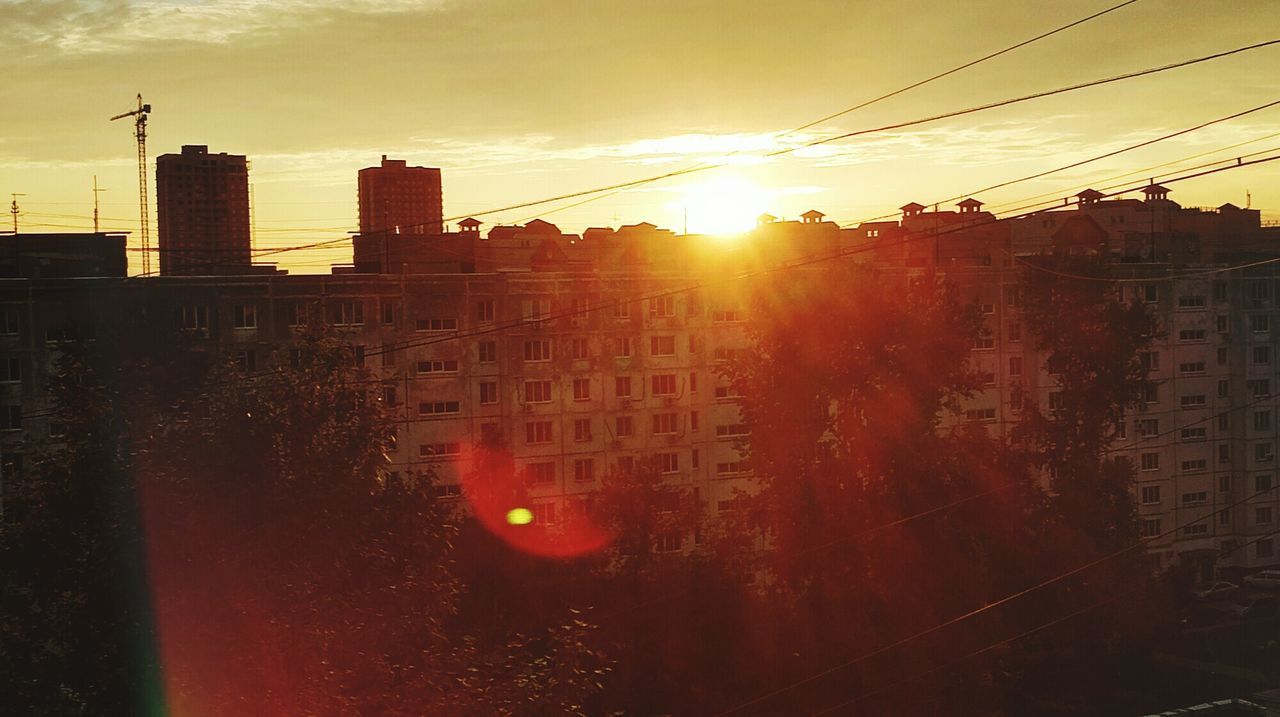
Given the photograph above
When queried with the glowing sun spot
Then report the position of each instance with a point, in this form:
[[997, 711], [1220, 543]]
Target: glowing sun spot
[[519, 516]]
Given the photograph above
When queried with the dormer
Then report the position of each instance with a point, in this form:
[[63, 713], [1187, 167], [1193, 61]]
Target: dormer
[[969, 206], [912, 209], [813, 216], [470, 225], [1155, 192], [764, 219], [1089, 197]]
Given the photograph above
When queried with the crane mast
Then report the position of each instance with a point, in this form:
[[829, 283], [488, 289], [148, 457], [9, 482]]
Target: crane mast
[[140, 133]]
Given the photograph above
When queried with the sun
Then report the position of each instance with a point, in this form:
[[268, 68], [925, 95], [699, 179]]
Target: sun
[[725, 205]]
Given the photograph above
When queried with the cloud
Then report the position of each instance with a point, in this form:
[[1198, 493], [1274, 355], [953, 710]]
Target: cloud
[[110, 26]]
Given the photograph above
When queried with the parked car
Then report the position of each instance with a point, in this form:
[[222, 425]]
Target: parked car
[[1265, 579], [1216, 591], [1255, 606]]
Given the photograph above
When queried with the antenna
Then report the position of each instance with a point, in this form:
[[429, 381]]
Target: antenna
[[13, 209], [1248, 199], [140, 133], [96, 191]]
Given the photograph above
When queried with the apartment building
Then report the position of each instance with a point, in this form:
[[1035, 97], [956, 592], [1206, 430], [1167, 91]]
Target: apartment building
[[585, 353]]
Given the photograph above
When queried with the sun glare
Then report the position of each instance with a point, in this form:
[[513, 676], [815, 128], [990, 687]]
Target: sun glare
[[726, 205]]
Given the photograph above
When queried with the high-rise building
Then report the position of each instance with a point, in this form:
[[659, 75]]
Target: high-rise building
[[202, 201], [399, 199]]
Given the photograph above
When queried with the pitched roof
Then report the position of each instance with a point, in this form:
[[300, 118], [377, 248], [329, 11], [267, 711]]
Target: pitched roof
[[1155, 189], [765, 218], [470, 222], [911, 206], [813, 213], [970, 202], [1090, 194]]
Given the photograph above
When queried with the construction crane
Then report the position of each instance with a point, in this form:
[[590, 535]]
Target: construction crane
[[140, 132]]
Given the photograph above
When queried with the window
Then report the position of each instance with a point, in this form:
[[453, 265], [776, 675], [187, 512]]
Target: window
[[581, 389], [732, 429], [983, 343], [583, 470], [662, 346], [668, 462], [486, 310], [1262, 420], [1262, 483], [388, 313], [1260, 387], [451, 490], [1193, 401], [664, 424], [727, 392], [731, 468], [246, 360], [1150, 494], [1121, 430], [1224, 452], [1191, 335], [1194, 433], [1195, 498], [11, 418], [622, 347], [621, 309], [1224, 517], [693, 423], [1259, 323], [348, 313], [1261, 354], [1263, 548], [193, 317], [726, 354], [488, 392], [1191, 302], [9, 322], [1150, 461], [544, 513], [537, 391], [622, 386], [487, 351], [388, 353], [245, 316], [541, 473], [578, 349], [1224, 484], [980, 414], [1150, 527], [1224, 422], [10, 369], [1199, 528], [437, 325], [537, 350], [1191, 367], [1197, 465], [438, 366], [661, 307], [1259, 292], [695, 458], [1262, 452], [1223, 323], [1224, 388], [693, 382], [624, 427], [1223, 356], [297, 313], [670, 541], [439, 450], [537, 432], [1015, 365], [1056, 401], [1149, 293], [435, 408], [1262, 515], [1148, 427], [722, 316], [1219, 291], [389, 396], [582, 429], [664, 384], [1150, 393], [627, 464], [535, 309]]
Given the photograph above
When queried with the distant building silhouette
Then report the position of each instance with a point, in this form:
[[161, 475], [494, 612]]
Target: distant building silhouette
[[398, 199], [202, 202]]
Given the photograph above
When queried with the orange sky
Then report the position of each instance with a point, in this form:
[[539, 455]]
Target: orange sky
[[517, 100]]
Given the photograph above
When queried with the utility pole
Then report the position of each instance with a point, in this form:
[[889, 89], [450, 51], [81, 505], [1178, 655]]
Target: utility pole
[[140, 133], [95, 203], [13, 209]]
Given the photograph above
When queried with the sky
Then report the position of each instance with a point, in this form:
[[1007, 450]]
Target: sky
[[517, 100]]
